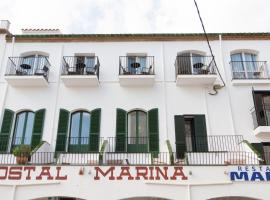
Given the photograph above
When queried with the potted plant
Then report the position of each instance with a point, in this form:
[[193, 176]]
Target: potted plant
[[22, 154]]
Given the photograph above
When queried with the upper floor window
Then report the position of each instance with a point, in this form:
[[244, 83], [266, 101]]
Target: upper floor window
[[245, 65], [194, 63], [33, 64], [136, 64]]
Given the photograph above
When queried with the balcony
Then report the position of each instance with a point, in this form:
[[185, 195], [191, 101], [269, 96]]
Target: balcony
[[210, 150], [28, 71], [249, 72], [261, 121], [195, 70], [136, 70], [80, 71]]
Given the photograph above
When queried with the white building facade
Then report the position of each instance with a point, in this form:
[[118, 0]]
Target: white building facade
[[145, 116]]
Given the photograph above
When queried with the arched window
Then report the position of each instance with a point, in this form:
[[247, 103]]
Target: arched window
[[23, 128], [79, 131], [245, 65], [137, 131], [191, 63]]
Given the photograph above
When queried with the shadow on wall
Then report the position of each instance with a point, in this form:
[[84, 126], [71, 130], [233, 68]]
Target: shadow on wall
[[233, 198]]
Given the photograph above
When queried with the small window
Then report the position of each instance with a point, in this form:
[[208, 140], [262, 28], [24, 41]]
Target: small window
[[245, 65], [23, 128]]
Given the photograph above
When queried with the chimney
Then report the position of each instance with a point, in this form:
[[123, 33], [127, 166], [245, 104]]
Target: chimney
[[40, 31]]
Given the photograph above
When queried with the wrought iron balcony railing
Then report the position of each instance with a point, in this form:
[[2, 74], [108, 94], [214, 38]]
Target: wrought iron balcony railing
[[194, 65], [136, 65], [162, 158], [28, 66], [80, 65], [261, 117], [249, 70]]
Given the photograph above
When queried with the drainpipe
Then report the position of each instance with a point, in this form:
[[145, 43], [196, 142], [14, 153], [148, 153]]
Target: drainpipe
[[14, 192], [54, 128], [189, 192], [228, 89], [165, 91]]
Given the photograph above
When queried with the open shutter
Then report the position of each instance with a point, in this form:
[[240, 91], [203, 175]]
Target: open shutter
[[62, 131], [259, 148], [180, 136], [94, 130], [6, 130], [153, 130], [200, 133], [38, 128], [121, 130]]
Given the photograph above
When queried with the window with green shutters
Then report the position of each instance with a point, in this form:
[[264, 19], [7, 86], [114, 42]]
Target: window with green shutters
[[28, 129], [190, 134], [78, 131], [137, 131]]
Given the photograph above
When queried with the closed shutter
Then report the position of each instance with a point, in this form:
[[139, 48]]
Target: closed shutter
[[62, 131], [38, 128], [6, 130], [180, 136], [94, 130], [200, 133], [153, 131], [121, 130]]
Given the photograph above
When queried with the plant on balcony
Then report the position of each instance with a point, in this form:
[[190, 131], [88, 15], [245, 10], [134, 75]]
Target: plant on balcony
[[102, 150], [22, 154], [169, 146]]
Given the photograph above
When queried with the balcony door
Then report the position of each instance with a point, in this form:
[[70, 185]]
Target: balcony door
[[190, 63], [244, 65], [137, 132], [262, 107], [79, 132], [136, 64]]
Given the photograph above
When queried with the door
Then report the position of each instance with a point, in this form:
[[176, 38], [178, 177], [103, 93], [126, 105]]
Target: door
[[137, 139], [262, 107]]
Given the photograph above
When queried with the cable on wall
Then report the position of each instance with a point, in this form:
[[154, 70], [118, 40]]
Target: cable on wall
[[215, 87]]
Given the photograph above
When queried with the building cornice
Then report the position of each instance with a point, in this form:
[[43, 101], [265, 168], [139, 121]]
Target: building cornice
[[136, 37]]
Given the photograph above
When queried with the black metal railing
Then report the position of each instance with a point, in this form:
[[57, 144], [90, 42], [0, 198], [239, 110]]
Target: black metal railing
[[80, 65], [136, 65], [214, 143], [28, 66], [261, 117], [249, 70], [194, 65], [129, 144], [80, 144], [161, 158]]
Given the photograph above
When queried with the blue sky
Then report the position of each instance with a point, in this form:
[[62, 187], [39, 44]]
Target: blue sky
[[137, 16]]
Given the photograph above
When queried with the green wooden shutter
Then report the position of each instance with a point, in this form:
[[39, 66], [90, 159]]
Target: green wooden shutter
[[259, 148], [180, 136], [94, 130], [38, 128], [6, 130], [62, 131], [153, 131], [200, 133], [121, 130]]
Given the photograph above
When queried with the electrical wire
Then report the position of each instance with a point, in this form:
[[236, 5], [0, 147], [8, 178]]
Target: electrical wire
[[208, 43]]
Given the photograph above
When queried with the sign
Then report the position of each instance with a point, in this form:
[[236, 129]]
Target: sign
[[111, 173], [250, 173]]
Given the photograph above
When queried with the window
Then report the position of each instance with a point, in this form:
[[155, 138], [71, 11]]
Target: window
[[261, 114], [245, 65], [23, 128], [136, 64], [79, 131], [137, 130], [191, 63], [33, 63], [190, 134]]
